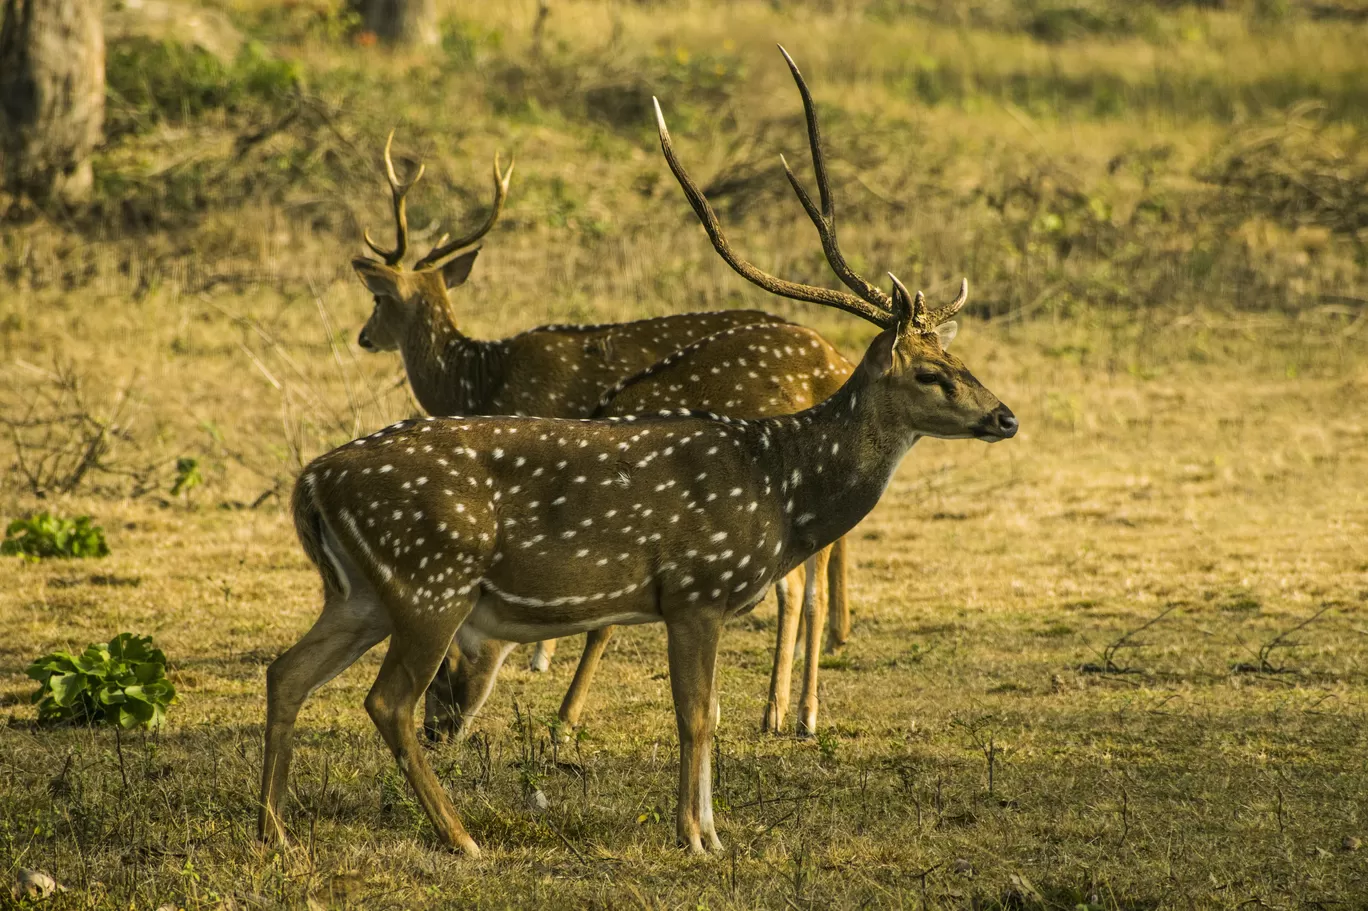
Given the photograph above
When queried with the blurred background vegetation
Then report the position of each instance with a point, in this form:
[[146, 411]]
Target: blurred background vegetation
[[1110, 167], [1061, 154]]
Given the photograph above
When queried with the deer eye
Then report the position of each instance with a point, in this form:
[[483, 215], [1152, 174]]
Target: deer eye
[[928, 379]]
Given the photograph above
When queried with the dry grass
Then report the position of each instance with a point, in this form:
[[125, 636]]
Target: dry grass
[[1181, 467], [1192, 383]]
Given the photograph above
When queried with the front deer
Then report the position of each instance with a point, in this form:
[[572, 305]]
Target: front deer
[[551, 371], [523, 528], [743, 372]]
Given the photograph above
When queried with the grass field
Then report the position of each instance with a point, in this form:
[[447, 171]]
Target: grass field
[[1163, 213]]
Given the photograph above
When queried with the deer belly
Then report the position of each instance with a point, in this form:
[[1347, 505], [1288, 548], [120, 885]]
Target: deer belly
[[513, 618]]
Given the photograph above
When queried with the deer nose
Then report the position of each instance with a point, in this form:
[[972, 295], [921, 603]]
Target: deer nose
[[1004, 421], [364, 342]]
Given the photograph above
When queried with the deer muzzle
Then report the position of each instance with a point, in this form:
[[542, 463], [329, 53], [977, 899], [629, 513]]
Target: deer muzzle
[[999, 424]]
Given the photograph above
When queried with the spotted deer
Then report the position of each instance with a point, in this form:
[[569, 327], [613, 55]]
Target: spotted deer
[[753, 371], [549, 371], [520, 529]]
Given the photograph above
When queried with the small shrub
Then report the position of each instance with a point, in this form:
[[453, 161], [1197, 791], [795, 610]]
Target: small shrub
[[122, 683], [44, 535], [829, 744], [188, 476], [69, 429]]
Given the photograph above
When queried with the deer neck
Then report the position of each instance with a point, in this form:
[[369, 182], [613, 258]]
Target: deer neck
[[832, 463], [450, 373]]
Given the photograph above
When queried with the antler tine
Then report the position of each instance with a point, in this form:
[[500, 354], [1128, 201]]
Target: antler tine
[[825, 220], [442, 250], [911, 309], [397, 193], [944, 313], [841, 300]]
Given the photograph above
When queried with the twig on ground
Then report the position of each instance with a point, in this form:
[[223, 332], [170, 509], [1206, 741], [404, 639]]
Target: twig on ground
[[1281, 640], [1126, 640]]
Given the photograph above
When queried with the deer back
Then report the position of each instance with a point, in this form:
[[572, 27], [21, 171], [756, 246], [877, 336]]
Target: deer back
[[751, 371], [633, 515], [561, 371]]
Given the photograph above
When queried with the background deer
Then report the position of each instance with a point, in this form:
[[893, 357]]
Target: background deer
[[549, 371], [519, 529], [743, 372]]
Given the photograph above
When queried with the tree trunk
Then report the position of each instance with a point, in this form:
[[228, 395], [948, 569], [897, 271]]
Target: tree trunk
[[402, 21], [52, 83]]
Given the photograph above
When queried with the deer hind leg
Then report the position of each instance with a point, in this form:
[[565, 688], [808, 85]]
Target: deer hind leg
[[692, 640], [542, 655], [460, 689], [785, 642], [573, 704], [838, 633], [415, 652], [814, 611], [349, 626]]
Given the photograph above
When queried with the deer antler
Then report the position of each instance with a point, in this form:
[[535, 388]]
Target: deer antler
[[397, 191], [825, 220], [936, 317], [443, 249], [911, 309], [876, 309]]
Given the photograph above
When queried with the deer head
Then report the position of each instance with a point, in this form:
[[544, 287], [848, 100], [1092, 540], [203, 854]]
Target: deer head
[[922, 389], [927, 388], [403, 299]]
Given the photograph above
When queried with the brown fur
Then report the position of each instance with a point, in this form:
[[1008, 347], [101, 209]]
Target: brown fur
[[557, 371], [550, 371], [744, 372]]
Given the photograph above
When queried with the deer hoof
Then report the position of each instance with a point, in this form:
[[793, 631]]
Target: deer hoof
[[773, 722]]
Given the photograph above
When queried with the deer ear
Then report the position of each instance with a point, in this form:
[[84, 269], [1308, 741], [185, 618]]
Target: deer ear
[[946, 332], [379, 279], [456, 271], [878, 360]]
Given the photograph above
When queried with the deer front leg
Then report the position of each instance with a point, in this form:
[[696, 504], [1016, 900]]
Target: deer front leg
[[692, 642], [573, 704], [542, 655], [785, 642], [814, 612], [838, 633], [461, 688]]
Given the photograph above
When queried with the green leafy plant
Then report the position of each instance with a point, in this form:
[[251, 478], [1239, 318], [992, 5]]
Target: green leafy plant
[[188, 476], [122, 683], [44, 535]]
